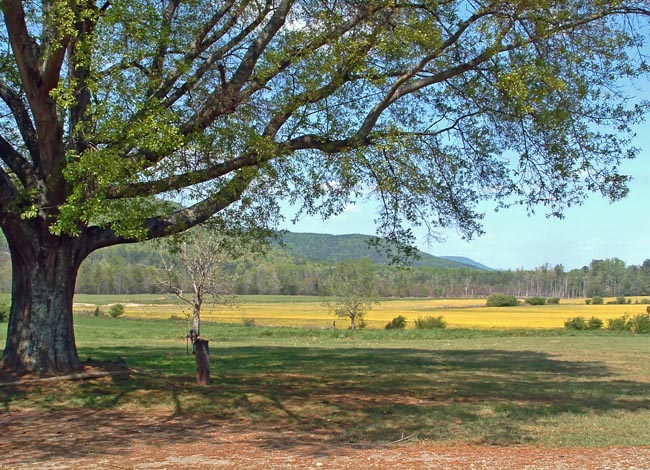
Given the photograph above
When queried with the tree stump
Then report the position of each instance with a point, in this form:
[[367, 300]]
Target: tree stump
[[202, 355]]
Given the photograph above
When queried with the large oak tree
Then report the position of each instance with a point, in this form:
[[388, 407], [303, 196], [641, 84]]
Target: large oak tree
[[112, 108]]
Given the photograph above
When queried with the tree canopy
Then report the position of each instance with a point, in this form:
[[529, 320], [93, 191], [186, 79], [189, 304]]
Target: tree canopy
[[115, 111], [112, 107]]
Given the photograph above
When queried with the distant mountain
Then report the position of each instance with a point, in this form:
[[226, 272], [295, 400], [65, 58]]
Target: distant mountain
[[468, 262], [335, 248]]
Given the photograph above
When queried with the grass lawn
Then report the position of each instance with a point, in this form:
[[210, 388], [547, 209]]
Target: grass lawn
[[500, 386]]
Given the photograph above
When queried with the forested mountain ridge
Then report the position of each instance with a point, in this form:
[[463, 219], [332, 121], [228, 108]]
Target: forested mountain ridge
[[467, 262], [334, 248]]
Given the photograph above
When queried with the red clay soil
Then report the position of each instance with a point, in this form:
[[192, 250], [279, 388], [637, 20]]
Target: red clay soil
[[39, 439]]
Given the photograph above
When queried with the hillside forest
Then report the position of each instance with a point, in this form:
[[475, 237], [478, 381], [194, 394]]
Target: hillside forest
[[300, 264]]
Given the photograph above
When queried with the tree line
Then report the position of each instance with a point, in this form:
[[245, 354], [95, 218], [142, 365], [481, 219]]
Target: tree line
[[136, 269], [609, 277]]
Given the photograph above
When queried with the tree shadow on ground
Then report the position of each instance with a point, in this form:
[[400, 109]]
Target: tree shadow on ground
[[316, 397]]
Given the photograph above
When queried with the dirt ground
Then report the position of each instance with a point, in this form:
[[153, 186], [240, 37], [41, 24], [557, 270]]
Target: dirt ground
[[131, 440], [143, 439]]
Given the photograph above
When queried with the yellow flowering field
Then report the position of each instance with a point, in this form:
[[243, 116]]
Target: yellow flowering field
[[303, 312]]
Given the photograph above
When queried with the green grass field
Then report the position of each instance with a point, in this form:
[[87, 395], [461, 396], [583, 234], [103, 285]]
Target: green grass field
[[499, 386]]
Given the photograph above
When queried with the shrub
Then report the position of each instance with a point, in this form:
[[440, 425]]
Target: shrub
[[430, 323], [594, 323], [580, 323], [597, 300], [553, 300], [640, 323], [535, 301], [501, 300], [576, 323], [397, 323], [116, 310], [619, 324]]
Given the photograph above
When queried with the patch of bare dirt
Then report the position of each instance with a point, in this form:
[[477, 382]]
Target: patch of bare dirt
[[128, 439], [88, 369]]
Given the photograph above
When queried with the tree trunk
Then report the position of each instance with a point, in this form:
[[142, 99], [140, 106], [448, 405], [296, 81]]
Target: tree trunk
[[196, 318], [40, 336], [202, 354]]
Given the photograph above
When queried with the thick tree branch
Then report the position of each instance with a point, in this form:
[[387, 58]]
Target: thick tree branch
[[183, 219], [225, 99], [401, 86], [257, 48], [201, 44], [79, 72], [16, 162], [53, 65], [174, 182], [203, 210], [8, 191], [24, 124], [323, 144], [165, 29], [151, 188], [26, 50], [37, 86]]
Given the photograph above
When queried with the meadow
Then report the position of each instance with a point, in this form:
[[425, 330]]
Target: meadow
[[302, 311], [528, 382], [497, 386]]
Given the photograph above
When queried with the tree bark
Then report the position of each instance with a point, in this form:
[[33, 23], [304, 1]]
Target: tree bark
[[40, 336], [202, 355], [196, 318]]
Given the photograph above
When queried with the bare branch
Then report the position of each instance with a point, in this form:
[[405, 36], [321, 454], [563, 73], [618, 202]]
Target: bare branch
[[170, 283]]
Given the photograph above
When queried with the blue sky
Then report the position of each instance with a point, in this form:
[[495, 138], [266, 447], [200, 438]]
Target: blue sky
[[595, 230]]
